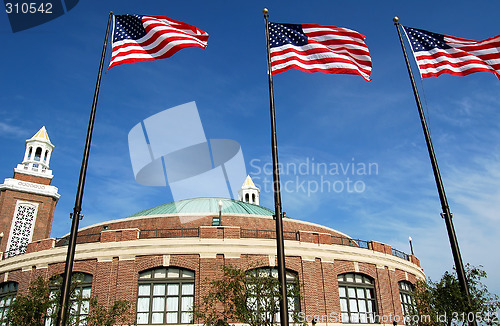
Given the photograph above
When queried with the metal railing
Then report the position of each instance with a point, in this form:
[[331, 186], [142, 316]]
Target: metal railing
[[344, 241], [14, 252], [268, 234], [400, 254], [81, 238], [170, 233], [195, 233]]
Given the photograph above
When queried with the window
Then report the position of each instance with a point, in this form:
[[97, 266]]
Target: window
[[80, 299], [21, 231], [263, 299], [38, 154], [8, 293], [165, 296], [407, 301], [357, 298]]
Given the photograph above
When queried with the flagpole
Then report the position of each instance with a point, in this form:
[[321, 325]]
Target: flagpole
[[280, 245], [62, 314], [446, 214]]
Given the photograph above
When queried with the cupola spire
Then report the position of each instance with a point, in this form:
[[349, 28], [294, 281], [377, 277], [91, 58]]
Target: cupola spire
[[249, 193], [37, 155]]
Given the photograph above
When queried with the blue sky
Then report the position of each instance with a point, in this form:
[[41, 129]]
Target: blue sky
[[48, 76]]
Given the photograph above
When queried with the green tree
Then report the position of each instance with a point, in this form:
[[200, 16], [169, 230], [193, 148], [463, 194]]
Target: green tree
[[31, 309], [247, 297], [443, 303], [118, 313], [41, 304]]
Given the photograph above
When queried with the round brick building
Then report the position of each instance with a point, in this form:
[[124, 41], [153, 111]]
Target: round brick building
[[162, 259]]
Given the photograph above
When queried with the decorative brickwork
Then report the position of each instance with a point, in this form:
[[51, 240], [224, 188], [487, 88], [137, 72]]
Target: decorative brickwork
[[44, 215], [32, 178], [117, 251], [116, 278], [41, 245], [119, 235]]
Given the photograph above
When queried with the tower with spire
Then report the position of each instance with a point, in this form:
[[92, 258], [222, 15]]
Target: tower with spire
[[37, 156], [27, 200], [249, 193]]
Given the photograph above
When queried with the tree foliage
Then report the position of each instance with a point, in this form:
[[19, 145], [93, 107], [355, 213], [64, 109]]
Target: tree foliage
[[119, 313], [443, 303], [245, 297], [31, 309], [41, 304]]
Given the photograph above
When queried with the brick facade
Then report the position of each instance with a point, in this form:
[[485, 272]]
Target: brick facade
[[116, 252], [45, 211], [116, 276]]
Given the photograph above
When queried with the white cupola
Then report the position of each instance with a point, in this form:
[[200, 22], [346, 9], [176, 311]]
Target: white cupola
[[37, 155], [249, 193]]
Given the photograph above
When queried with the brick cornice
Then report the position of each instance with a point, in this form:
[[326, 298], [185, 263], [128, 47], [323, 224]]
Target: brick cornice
[[30, 187], [209, 248]]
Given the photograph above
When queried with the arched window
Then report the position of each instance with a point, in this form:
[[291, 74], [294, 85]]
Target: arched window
[[407, 301], [8, 291], [165, 296], [263, 298], [253, 198], [38, 154], [46, 155], [357, 298], [30, 151], [247, 198], [79, 300]]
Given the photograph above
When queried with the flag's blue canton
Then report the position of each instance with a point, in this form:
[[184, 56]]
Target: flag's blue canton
[[287, 34], [424, 41], [128, 27]]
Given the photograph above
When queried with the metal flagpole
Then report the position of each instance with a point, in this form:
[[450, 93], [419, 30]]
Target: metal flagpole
[[62, 314], [277, 192], [446, 214]]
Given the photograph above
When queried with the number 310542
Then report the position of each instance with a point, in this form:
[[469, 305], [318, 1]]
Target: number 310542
[[28, 8]]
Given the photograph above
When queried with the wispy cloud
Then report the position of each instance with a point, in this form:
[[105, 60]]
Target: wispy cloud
[[11, 130]]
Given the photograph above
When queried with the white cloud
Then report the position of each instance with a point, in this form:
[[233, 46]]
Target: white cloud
[[11, 131]]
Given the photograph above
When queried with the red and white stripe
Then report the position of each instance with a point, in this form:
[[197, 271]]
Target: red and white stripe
[[463, 58], [330, 49], [164, 37]]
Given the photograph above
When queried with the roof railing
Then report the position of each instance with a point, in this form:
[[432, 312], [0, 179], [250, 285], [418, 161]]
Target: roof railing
[[195, 233], [170, 233]]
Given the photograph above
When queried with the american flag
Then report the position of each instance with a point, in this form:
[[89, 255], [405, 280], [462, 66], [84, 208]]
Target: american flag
[[438, 54], [317, 48], [140, 38]]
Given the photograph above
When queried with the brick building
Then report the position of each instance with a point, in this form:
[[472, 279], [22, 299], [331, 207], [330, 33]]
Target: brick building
[[161, 259]]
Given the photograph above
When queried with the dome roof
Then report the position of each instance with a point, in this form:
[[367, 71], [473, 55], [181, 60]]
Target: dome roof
[[206, 205]]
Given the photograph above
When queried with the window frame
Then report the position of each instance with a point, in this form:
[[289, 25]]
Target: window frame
[[409, 308], [80, 282], [366, 286], [8, 293], [293, 302], [182, 278]]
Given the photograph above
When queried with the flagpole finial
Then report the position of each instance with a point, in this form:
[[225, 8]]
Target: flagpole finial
[[265, 11], [395, 19]]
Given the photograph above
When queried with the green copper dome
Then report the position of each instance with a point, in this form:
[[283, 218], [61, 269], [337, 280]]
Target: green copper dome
[[206, 205]]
